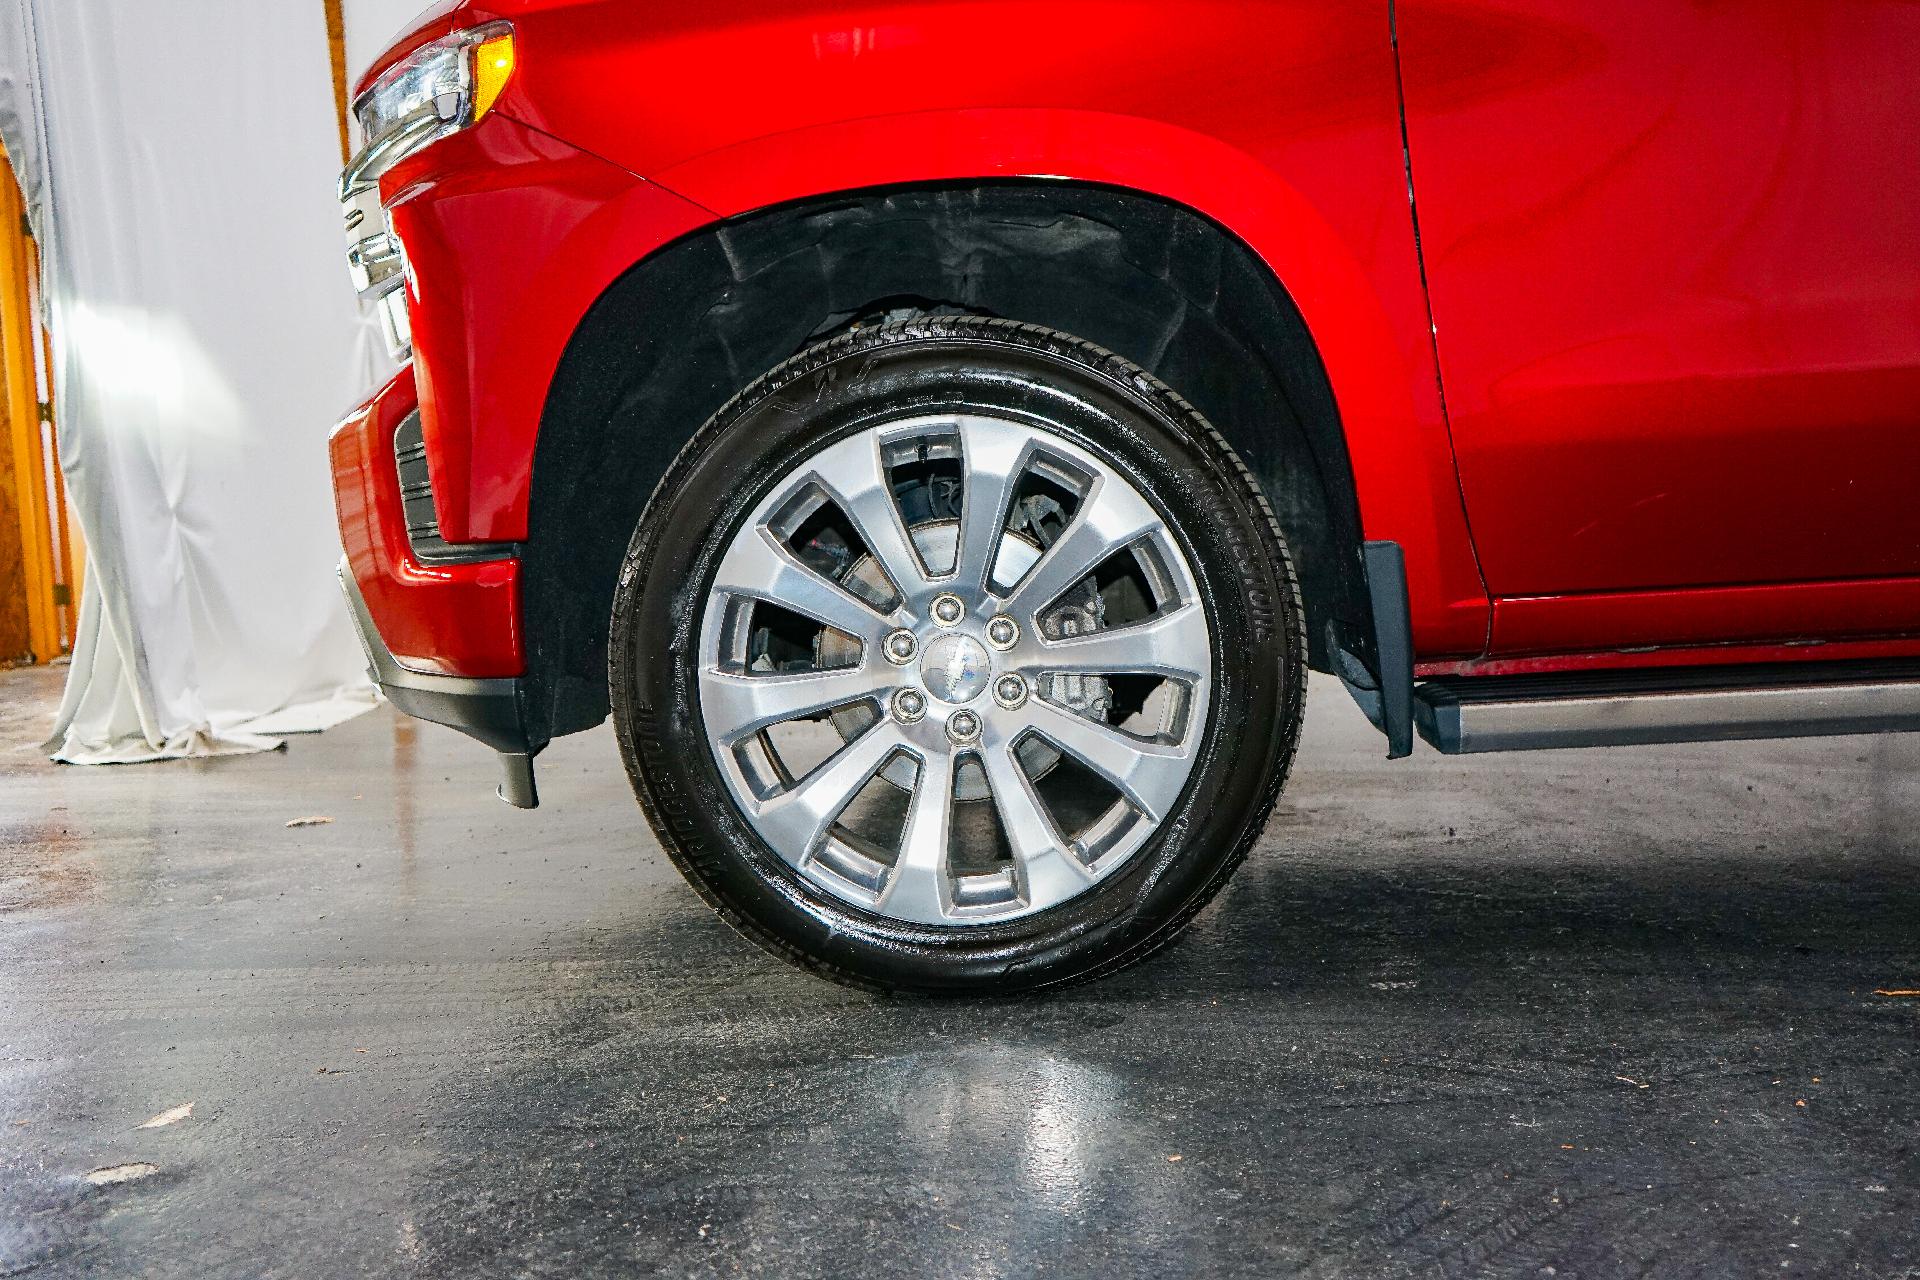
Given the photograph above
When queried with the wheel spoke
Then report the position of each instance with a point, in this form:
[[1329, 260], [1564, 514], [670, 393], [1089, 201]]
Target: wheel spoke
[[1173, 645], [950, 661], [994, 454], [1110, 517], [795, 821], [854, 477], [736, 705], [916, 888], [1048, 873], [754, 566], [1148, 774]]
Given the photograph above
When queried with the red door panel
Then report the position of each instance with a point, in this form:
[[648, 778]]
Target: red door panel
[[1674, 259], [1780, 612]]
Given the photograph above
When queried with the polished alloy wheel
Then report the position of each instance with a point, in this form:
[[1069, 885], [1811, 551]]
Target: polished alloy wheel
[[953, 669]]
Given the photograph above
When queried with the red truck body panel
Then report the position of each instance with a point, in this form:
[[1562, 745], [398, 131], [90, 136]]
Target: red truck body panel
[[1674, 256], [510, 237], [1672, 356]]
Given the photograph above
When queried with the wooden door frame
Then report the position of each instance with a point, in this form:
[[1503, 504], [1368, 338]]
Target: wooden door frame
[[50, 552]]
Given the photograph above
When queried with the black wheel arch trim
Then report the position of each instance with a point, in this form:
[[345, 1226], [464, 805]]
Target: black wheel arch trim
[[700, 318]]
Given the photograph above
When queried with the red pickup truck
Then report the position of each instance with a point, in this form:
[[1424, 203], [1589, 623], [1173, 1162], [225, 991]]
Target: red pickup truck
[[943, 435]]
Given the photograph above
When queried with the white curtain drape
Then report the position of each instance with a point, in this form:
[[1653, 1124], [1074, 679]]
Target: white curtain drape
[[178, 161]]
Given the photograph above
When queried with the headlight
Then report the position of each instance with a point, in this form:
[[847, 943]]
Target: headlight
[[438, 89]]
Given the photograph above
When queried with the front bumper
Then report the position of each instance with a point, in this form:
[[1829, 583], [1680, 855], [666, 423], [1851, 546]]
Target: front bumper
[[484, 708], [445, 610], [441, 631]]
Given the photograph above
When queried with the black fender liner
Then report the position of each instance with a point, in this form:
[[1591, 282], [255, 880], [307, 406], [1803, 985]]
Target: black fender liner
[[680, 333]]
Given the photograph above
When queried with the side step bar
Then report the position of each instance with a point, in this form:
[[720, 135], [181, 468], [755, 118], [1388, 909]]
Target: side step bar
[[1463, 714]]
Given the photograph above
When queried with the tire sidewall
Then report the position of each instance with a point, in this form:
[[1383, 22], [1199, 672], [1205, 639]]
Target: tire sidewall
[[865, 379]]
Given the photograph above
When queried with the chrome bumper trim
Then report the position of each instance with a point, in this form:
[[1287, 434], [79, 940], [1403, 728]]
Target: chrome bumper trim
[[375, 264], [376, 260]]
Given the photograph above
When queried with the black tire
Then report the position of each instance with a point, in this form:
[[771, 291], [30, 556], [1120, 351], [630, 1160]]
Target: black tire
[[1101, 402]]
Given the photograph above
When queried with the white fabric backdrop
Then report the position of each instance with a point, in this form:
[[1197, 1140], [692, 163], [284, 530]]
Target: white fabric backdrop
[[180, 162]]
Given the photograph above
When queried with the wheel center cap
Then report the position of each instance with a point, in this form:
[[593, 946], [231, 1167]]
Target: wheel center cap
[[956, 668]]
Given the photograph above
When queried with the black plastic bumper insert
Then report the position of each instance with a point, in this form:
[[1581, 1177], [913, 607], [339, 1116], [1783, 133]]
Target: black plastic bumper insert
[[486, 709]]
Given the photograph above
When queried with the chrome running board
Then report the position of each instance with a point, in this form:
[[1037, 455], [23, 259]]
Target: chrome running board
[[1459, 715]]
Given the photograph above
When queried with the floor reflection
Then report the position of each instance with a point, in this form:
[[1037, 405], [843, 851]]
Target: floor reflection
[[438, 1036]]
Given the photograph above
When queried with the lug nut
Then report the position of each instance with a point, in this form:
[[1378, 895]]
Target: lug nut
[[948, 609], [1002, 632], [1010, 691], [963, 726], [909, 705], [900, 648]]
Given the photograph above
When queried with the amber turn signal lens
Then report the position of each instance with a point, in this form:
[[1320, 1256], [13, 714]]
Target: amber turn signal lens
[[492, 68]]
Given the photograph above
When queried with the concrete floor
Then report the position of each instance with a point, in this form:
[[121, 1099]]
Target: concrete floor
[[1597, 1014]]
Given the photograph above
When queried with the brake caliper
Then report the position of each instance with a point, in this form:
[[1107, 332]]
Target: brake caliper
[[1080, 611]]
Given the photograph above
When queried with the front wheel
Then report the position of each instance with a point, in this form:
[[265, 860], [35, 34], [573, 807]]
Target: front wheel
[[957, 655]]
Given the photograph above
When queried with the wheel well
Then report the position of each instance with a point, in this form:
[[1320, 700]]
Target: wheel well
[[678, 335]]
